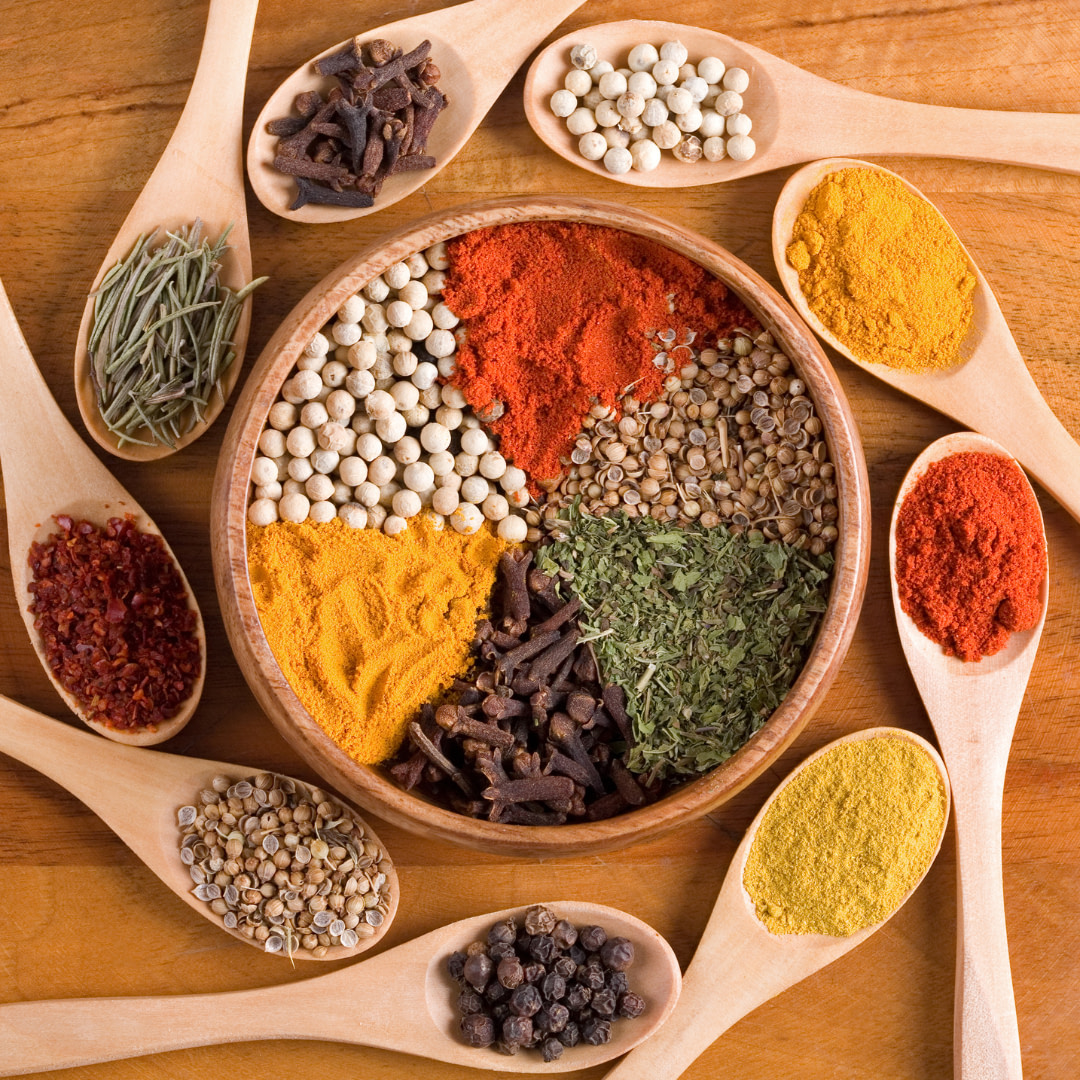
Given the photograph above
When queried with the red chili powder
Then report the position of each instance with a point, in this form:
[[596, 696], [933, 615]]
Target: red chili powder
[[970, 554], [556, 318], [113, 615]]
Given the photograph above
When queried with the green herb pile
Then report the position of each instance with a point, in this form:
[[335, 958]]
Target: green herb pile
[[705, 630], [161, 336]]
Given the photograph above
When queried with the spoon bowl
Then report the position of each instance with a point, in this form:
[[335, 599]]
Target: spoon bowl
[[477, 46], [739, 964], [200, 175], [974, 708], [137, 793], [990, 390], [69, 479], [786, 105], [400, 1000]]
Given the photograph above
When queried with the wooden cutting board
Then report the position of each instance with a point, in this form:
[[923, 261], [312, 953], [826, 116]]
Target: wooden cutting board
[[89, 94]]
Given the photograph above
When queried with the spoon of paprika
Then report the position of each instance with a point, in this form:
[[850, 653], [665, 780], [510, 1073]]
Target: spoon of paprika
[[989, 390], [67, 481], [973, 707]]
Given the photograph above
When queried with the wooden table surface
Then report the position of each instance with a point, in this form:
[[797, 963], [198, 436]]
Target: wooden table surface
[[89, 94]]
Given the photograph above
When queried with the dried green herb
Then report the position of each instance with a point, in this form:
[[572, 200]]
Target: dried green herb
[[705, 630], [161, 336]]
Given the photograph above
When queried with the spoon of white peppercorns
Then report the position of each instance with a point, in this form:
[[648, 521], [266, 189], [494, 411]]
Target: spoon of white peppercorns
[[403, 999]]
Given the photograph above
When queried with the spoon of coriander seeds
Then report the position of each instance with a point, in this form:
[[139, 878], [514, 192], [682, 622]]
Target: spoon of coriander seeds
[[272, 861]]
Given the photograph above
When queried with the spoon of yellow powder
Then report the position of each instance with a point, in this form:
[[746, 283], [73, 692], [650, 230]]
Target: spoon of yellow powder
[[833, 854], [875, 269]]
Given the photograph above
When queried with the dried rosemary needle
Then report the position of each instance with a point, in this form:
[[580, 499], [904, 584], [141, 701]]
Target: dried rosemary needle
[[161, 336]]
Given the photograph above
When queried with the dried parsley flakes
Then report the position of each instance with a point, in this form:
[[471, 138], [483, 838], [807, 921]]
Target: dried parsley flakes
[[705, 630]]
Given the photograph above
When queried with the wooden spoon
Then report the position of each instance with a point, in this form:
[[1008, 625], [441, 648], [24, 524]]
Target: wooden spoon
[[973, 707], [402, 999], [739, 964], [477, 47], [798, 116], [991, 391], [137, 793], [49, 470], [200, 175]]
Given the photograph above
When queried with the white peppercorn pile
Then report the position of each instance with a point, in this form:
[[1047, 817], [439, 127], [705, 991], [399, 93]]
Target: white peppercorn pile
[[543, 985], [626, 117], [363, 430], [284, 865], [733, 438]]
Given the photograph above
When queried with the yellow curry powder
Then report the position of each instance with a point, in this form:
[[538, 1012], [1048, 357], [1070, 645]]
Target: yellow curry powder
[[882, 270], [847, 838], [367, 627]]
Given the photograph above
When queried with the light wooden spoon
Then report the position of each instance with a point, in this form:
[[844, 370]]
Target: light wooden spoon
[[49, 470], [739, 964], [798, 116], [477, 47], [992, 391], [402, 1000], [137, 793], [200, 175], [973, 707]]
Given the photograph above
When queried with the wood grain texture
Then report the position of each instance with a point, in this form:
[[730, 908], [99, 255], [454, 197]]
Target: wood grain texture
[[78, 141], [369, 786]]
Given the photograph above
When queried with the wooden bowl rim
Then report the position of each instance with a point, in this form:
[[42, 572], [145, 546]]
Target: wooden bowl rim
[[364, 784]]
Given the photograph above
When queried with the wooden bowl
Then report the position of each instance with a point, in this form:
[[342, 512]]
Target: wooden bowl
[[366, 785]]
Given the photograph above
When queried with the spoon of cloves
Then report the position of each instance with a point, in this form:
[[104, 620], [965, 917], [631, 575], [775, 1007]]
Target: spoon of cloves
[[63, 477], [138, 794], [200, 176]]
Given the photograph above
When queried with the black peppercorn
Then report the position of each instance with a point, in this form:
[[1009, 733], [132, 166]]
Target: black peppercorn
[[542, 948], [478, 970], [510, 1049], [551, 1048], [469, 1001], [591, 975], [553, 986], [592, 938], [552, 1018], [570, 1035], [501, 952], [500, 1012], [534, 972], [617, 953], [577, 997], [517, 1030], [455, 965], [631, 1005], [496, 991], [565, 934], [564, 966], [596, 1032], [502, 933], [539, 920], [478, 1030], [510, 973], [577, 954], [618, 981], [525, 1000], [603, 1002]]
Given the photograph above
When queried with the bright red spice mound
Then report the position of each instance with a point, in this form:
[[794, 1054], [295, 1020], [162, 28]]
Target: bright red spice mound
[[970, 555], [557, 315], [113, 615]]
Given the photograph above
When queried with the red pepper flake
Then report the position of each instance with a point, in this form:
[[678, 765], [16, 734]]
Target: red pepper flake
[[113, 614]]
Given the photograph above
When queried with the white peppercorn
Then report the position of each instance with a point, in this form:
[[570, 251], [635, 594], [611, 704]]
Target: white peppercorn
[[655, 112], [592, 146], [341, 404], [697, 87], [449, 417], [354, 515], [441, 461], [712, 124], [379, 404], [607, 114], [319, 487], [263, 470], [283, 417], [615, 137], [728, 103], [445, 501], [591, 99], [645, 155], [513, 529], [342, 493], [419, 476], [353, 471], [713, 149], [689, 120], [391, 428], [417, 416], [420, 325], [307, 384], [300, 469], [387, 493], [346, 333], [665, 72], [396, 275], [324, 461], [667, 135], [739, 124], [618, 160], [578, 82], [272, 442], [580, 121], [736, 79], [376, 289], [407, 450], [292, 487], [492, 465], [382, 470], [451, 480], [322, 511], [406, 503], [741, 148], [317, 346], [263, 512], [363, 354], [679, 101], [301, 442], [475, 489], [641, 82], [711, 69], [466, 519], [376, 516], [599, 70], [314, 414], [333, 374], [466, 464], [495, 507], [394, 525], [294, 507], [475, 441], [272, 490], [583, 56], [687, 71], [367, 494], [405, 395], [332, 436], [675, 51], [417, 264], [630, 104], [612, 85]]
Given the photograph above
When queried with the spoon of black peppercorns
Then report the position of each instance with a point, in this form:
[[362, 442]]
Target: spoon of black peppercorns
[[405, 999]]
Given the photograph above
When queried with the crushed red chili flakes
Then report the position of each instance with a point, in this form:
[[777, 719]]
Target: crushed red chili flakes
[[113, 614]]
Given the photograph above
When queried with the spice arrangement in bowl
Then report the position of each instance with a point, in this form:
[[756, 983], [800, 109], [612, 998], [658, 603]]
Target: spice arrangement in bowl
[[608, 404], [659, 101]]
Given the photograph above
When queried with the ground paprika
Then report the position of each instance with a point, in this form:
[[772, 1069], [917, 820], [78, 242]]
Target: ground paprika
[[558, 315], [970, 554]]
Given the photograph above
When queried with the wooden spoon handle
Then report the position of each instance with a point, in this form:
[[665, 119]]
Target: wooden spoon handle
[[868, 124], [986, 1041]]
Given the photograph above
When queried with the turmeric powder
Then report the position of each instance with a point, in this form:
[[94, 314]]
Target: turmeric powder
[[883, 271], [367, 627]]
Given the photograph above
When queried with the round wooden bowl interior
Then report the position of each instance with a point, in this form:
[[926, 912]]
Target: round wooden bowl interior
[[367, 785]]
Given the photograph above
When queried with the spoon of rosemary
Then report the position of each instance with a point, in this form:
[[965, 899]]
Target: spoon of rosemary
[[199, 178], [63, 478]]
